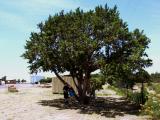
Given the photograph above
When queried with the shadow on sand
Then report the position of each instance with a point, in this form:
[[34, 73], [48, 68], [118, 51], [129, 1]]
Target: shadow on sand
[[108, 107]]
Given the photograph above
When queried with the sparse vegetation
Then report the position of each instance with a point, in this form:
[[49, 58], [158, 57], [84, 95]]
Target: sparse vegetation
[[135, 97], [47, 80], [152, 106]]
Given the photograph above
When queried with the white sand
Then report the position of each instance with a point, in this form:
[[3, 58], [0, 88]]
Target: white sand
[[24, 106]]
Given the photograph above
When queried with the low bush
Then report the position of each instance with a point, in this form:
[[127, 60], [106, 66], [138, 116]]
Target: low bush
[[135, 97], [47, 80], [155, 87], [152, 106]]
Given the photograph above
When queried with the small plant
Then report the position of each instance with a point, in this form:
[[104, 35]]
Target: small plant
[[136, 97], [47, 80], [152, 106], [156, 87]]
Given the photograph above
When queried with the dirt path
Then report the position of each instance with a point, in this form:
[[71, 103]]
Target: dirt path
[[40, 104]]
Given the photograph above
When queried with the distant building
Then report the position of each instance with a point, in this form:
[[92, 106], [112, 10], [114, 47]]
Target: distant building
[[57, 85], [36, 78], [10, 81]]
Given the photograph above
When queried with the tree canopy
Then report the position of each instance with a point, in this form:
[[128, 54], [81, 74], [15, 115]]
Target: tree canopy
[[82, 42]]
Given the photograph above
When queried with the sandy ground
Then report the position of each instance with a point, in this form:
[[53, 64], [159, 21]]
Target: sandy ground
[[26, 105]]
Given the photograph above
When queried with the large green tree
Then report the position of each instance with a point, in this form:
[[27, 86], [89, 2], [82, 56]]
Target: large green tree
[[82, 42], [125, 72]]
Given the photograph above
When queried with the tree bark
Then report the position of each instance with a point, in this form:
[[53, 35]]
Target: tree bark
[[85, 85], [142, 93], [59, 77], [82, 86], [75, 82]]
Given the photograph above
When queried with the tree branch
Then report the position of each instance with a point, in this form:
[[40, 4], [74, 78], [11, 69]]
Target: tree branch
[[59, 77], [75, 82]]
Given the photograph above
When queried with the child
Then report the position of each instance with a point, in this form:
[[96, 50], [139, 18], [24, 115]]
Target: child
[[65, 92], [71, 92]]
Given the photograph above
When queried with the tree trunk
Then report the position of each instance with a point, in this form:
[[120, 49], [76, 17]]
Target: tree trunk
[[59, 77], [84, 99], [82, 85], [81, 92], [83, 89], [142, 93]]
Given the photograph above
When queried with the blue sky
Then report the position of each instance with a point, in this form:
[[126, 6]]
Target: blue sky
[[18, 18]]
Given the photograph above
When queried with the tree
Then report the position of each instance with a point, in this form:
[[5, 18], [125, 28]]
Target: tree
[[124, 73], [4, 78], [23, 81], [82, 42], [18, 81], [97, 80], [155, 77], [143, 76]]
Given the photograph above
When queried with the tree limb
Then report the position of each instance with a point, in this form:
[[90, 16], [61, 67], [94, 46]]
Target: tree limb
[[59, 77], [75, 82]]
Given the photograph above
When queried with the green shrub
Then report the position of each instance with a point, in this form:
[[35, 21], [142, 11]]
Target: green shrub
[[137, 97], [156, 87], [47, 80], [152, 106]]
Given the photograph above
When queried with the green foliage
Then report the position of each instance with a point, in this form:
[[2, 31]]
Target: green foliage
[[47, 80], [156, 87], [97, 80], [124, 75], [81, 42], [136, 97], [152, 106], [155, 77]]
